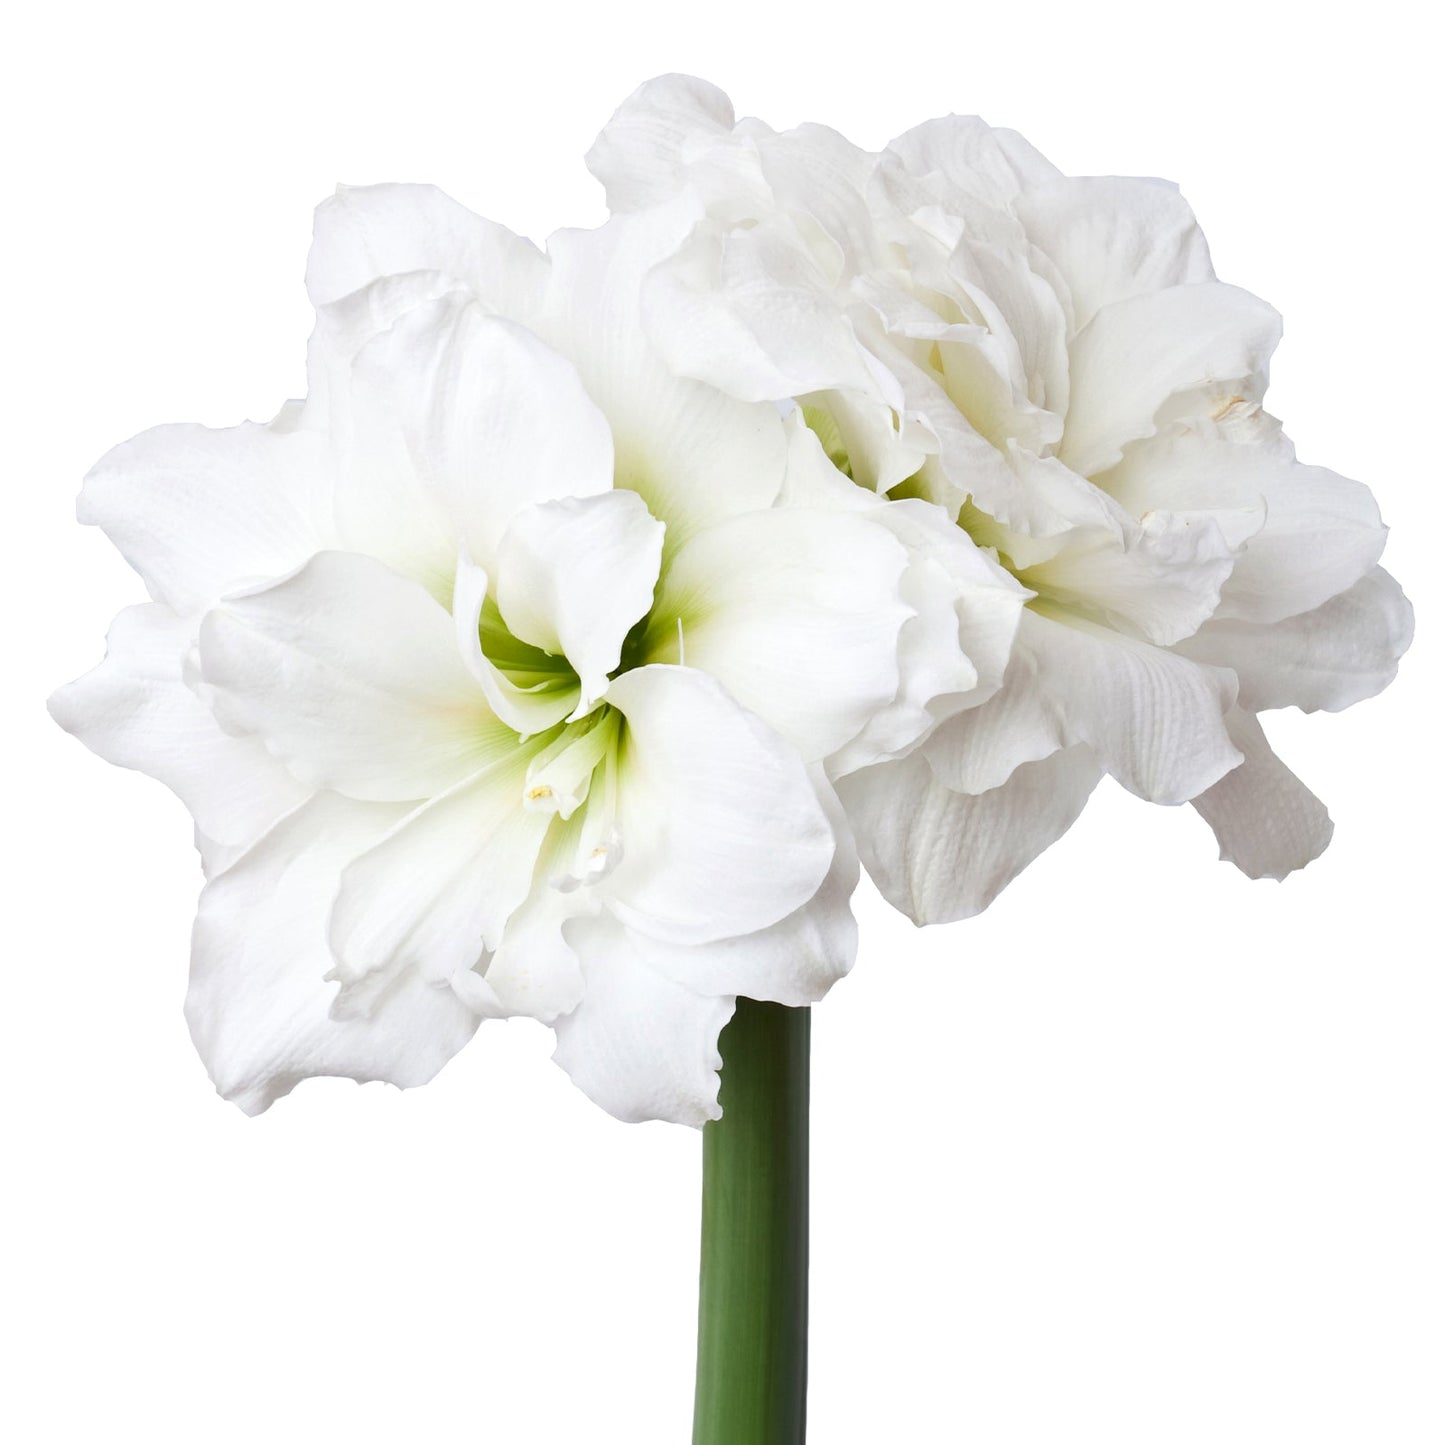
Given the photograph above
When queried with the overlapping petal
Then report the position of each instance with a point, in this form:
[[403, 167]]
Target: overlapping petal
[[638, 1044], [350, 674], [1137, 354], [794, 961], [575, 575], [136, 711], [706, 795], [364, 234], [1342, 652], [797, 612], [489, 416], [693, 454], [1111, 238], [259, 1006], [939, 855], [527, 690], [435, 893], [200, 512]]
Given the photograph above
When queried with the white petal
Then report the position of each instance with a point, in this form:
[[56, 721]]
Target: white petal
[[794, 962], [1014, 366], [1155, 720], [975, 159], [199, 513], [365, 233], [722, 831], [491, 418], [881, 452], [1331, 658], [938, 855], [1112, 238], [1159, 579], [549, 690], [638, 1044], [978, 750], [435, 894], [350, 674], [1318, 533], [954, 650], [135, 711], [693, 454], [797, 612], [751, 311], [574, 575], [1322, 534], [643, 150], [1035, 496], [534, 972], [1267, 822], [383, 505], [1156, 725], [259, 1006], [1137, 354]]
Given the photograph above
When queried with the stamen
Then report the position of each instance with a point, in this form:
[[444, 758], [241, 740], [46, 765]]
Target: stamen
[[560, 776], [594, 845]]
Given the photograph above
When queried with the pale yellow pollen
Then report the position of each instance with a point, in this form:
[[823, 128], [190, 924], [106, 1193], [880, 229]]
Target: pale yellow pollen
[[535, 795]]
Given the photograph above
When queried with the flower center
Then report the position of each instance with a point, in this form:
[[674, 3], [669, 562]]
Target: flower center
[[529, 669]]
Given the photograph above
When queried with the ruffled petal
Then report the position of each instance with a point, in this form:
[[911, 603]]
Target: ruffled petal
[[1316, 533], [134, 710], [1112, 238], [383, 505], [434, 895], [954, 651], [752, 312], [797, 612], [574, 575], [1159, 579], [793, 962], [350, 674], [1339, 654], [722, 830], [199, 513], [534, 972], [938, 855], [365, 233], [692, 453], [978, 750], [1137, 354], [1155, 720], [489, 417], [974, 159], [640, 1045], [531, 705], [642, 154], [259, 1006], [1267, 822]]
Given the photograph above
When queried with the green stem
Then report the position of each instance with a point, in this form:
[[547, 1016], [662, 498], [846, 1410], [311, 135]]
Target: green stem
[[752, 1338]]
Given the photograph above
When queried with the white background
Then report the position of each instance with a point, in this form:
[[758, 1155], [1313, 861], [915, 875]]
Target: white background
[[1148, 1155]]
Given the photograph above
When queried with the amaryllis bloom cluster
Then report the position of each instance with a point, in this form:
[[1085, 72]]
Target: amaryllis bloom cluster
[[505, 674], [1050, 361], [561, 653]]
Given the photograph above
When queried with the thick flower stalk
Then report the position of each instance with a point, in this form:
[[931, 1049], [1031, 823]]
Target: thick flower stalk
[[1051, 363], [506, 674]]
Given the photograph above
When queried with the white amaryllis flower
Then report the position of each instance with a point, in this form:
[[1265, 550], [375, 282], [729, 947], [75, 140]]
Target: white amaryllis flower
[[502, 675], [1052, 362]]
